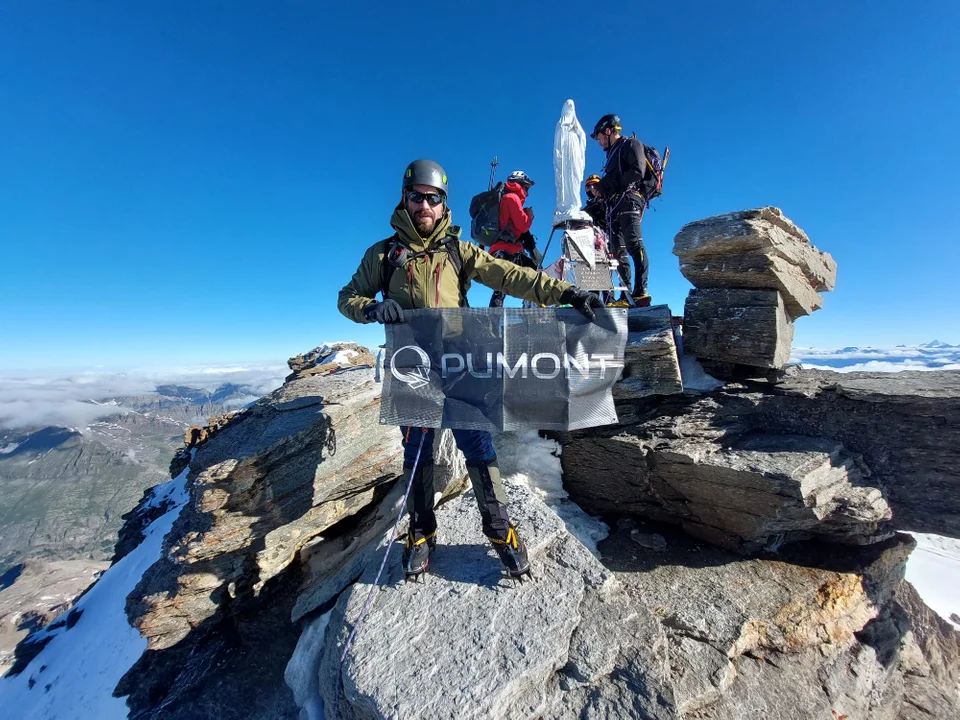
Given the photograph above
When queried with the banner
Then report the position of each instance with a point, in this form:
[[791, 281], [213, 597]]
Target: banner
[[503, 368]]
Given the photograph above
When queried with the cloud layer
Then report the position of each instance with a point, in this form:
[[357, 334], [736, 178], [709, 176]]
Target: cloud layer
[[932, 356], [76, 400]]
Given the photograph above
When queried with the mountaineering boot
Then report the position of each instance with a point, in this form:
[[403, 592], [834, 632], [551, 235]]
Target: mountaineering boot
[[621, 302], [491, 498], [416, 554], [642, 300], [513, 555], [423, 520]]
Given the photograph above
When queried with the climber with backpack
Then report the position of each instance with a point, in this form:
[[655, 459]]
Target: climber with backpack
[[513, 242], [424, 264], [632, 177]]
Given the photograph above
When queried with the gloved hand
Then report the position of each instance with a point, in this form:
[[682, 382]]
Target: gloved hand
[[388, 311], [583, 301], [528, 241]]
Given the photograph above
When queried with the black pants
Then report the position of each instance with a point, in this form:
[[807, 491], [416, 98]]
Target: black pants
[[626, 238], [521, 259], [477, 449]]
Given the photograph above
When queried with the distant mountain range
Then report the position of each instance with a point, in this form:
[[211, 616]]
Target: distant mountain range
[[934, 355], [64, 490]]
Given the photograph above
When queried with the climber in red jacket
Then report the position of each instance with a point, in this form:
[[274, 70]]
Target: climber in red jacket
[[516, 244]]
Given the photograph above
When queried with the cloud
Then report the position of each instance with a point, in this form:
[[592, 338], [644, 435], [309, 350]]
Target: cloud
[[896, 359], [881, 366], [79, 399], [16, 414], [241, 401]]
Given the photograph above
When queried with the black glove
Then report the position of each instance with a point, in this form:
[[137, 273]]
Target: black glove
[[583, 301], [528, 241], [388, 311]]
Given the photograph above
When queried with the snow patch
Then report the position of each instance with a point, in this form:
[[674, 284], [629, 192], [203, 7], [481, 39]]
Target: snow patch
[[340, 357], [75, 674], [302, 672], [934, 570], [535, 462], [7, 449], [694, 377]]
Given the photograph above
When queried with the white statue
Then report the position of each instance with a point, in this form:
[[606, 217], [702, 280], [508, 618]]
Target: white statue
[[569, 160]]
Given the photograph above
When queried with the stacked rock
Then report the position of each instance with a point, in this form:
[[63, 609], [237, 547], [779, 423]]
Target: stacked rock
[[754, 274]]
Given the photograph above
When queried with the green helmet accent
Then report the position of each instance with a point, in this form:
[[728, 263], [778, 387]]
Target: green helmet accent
[[425, 172]]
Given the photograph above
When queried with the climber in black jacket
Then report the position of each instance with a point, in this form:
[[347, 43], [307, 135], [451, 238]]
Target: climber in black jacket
[[623, 173]]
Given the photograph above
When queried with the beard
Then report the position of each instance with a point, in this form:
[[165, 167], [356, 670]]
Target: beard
[[424, 223]]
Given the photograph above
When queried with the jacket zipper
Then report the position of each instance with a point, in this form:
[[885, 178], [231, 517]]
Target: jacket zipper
[[437, 283]]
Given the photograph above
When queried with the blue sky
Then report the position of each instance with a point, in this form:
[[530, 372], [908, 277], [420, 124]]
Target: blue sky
[[194, 182]]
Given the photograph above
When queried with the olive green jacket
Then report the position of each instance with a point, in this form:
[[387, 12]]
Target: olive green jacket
[[430, 281]]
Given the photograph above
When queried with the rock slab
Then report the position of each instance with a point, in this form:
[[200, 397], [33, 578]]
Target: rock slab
[[811, 455], [681, 633], [756, 249], [467, 643], [650, 359], [746, 327]]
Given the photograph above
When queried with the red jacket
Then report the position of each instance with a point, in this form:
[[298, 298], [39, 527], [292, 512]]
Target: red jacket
[[513, 217]]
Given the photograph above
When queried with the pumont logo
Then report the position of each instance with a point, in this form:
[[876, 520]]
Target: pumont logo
[[543, 366]]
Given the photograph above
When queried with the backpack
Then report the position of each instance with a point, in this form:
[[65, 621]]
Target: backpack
[[485, 217], [652, 184], [396, 256]]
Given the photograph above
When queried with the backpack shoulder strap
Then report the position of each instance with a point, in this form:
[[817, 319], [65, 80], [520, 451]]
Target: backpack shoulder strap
[[387, 268], [452, 245]]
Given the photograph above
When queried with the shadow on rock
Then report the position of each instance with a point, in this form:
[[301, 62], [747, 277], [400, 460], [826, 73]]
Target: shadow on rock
[[469, 563]]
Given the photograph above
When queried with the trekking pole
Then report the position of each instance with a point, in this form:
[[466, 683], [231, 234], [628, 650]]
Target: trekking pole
[[546, 249], [493, 172], [376, 580]]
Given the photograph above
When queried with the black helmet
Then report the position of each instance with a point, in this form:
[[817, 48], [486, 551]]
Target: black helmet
[[520, 178], [425, 172], [607, 121]]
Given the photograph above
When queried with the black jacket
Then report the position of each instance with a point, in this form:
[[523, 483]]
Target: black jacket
[[626, 164]]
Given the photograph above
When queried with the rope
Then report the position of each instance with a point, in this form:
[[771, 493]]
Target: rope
[[383, 563]]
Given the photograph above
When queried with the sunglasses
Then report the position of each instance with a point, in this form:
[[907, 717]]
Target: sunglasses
[[416, 197]]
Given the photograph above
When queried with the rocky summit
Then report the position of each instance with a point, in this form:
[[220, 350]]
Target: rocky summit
[[754, 563], [745, 555]]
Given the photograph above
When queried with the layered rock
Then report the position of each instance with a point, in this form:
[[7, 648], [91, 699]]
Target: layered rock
[[310, 454], [294, 505], [747, 327], [822, 454], [326, 359], [755, 272], [331, 562], [756, 249], [650, 365], [196, 435], [280, 501]]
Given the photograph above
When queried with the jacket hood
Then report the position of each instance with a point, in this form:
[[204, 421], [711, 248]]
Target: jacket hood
[[516, 188], [403, 224]]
